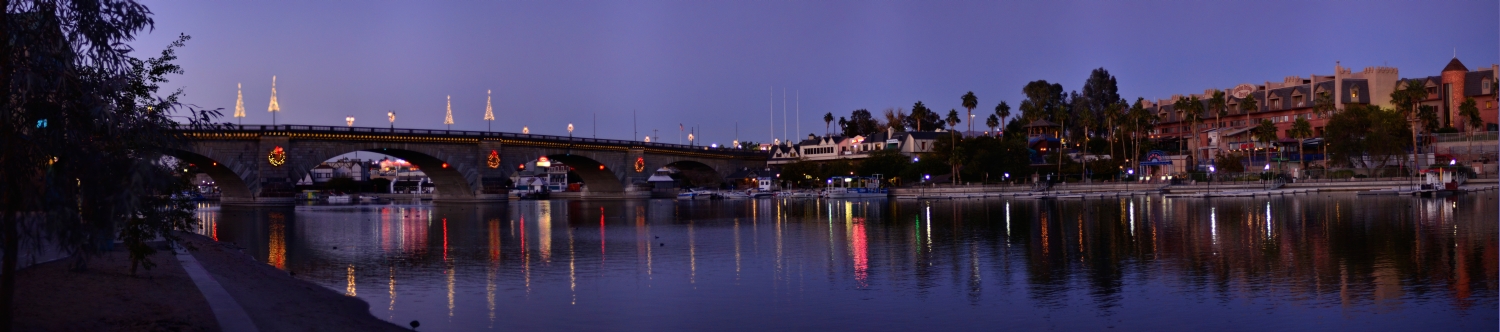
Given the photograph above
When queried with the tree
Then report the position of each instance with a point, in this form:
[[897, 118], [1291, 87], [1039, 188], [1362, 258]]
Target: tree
[[953, 121], [860, 123], [922, 117], [1042, 99], [1003, 110], [1247, 106], [894, 119], [1100, 92], [1361, 134], [84, 133], [1301, 129], [827, 120], [1218, 106], [1266, 134], [1323, 106], [889, 162], [969, 103], [1113, 116], [1407, 99], [1470, 114], [992, 121]]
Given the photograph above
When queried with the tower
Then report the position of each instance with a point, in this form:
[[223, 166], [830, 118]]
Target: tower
[[489, 112], [448, 120], [239, 103], [275, 106]]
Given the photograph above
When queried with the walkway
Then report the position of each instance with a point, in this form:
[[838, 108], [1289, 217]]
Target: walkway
[[231, 316]]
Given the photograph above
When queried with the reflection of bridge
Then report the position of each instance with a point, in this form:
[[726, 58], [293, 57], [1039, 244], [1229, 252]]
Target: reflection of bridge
[[465, 165]]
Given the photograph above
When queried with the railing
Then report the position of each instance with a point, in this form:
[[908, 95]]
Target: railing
[[232, 128], [1464, 137]]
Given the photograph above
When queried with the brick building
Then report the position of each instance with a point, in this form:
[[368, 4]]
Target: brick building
[[1283, 102]]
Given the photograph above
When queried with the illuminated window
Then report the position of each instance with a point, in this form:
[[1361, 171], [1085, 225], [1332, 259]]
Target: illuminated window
[[1354, 94]]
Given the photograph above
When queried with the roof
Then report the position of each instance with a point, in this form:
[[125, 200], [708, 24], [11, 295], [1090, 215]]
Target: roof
[[1473, 82], [1041, 123], [924, 134], [1455, 65], [1236, 131]]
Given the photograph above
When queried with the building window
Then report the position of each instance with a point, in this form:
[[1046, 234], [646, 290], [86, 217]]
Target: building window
[[1354, 95], [1297, 100], [1486, 85]]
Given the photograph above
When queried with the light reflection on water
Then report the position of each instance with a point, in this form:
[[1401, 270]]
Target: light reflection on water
[[1332, 261]]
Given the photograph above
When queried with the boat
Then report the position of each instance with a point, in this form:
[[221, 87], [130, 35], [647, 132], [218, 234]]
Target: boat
[[369, 199], [855, 187], [691, 194], [734, 195], [339, 199]]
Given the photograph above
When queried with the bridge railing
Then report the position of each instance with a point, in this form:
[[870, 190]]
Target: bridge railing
[[480, 134]]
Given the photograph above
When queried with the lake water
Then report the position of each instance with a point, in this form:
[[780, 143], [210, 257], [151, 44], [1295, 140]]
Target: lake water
[[1307, 262]]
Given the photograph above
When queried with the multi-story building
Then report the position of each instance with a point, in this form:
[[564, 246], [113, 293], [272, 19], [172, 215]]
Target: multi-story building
[[1294, 97]]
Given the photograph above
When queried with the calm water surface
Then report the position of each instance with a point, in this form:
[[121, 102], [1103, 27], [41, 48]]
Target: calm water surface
[[1310, 262]]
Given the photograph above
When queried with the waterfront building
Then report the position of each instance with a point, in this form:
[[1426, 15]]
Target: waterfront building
[[833, 147], [1294, 97]]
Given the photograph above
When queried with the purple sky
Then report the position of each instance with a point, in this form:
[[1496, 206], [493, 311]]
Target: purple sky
[[710, 63]]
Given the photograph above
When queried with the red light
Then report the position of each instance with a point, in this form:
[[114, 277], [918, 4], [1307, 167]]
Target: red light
[[601, 167], [445, 165]]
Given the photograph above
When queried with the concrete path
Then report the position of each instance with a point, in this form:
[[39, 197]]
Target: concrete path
[[232, 317]]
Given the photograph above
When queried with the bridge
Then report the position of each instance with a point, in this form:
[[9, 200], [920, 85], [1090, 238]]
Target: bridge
[[259, 164]]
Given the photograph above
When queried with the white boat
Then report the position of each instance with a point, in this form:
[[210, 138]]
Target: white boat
[[697, 194], [339, 199], [734, 195], [855, 187]]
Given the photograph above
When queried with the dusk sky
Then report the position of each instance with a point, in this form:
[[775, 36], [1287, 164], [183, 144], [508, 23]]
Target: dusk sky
[[712, 63]]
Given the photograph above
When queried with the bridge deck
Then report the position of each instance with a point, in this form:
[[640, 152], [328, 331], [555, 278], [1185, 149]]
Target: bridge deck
[[232, 131]]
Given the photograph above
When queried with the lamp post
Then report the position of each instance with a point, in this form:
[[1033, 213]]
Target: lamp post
[[1128, 173], [690, 139], [570, 131], [1211, 179], [525, 130], [392, 116], [349, 120]]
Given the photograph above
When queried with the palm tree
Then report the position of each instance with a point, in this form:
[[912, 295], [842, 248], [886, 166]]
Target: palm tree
[[1323, 107], [1217, 104], [1113, 116], [1408, 98], [1003, 110], [993, 121], [953, 121], [1194, 116], [1181, 106], [1470, 114], [1301, 129], [1246, 106], [970, 102], [827, 121], [1266, 133]]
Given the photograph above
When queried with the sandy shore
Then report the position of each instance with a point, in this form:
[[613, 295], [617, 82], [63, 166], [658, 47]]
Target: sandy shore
[[106, 298]]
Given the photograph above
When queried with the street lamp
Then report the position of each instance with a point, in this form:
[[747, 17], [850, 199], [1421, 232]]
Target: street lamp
[[1128, 173], [570, 131], [392, 116], [690, 139], [1211, 179], [349, 120], [525, 130]]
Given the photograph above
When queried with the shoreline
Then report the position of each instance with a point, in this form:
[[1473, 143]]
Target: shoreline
[[50, 296]]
